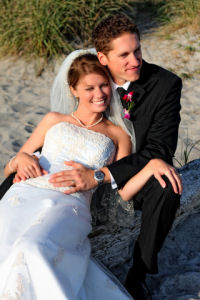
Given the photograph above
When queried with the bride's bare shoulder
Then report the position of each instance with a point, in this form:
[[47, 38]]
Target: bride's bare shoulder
[[119, 136], [56, 117], [116, 130]]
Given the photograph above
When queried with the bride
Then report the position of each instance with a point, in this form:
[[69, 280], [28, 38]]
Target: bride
[[45, 251]]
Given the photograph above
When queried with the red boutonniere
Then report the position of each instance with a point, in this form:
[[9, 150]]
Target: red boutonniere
[[129, 103]]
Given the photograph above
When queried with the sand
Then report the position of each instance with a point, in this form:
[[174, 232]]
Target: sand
[[24, 100]]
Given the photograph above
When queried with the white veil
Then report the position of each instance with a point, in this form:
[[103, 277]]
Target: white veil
[[63, 101]]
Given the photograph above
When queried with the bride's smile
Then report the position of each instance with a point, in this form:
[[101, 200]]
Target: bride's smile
[[94, 93]]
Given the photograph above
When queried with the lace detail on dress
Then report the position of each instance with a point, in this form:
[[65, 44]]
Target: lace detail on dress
[[64, 142], [58, 258], [15, 283], [14, 201], [107, 207], [17, 294]]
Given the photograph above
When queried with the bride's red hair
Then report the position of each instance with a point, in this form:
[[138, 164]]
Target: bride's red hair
[[83, 65]]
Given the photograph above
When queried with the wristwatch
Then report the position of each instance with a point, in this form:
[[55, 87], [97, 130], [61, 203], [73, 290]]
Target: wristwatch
[[99, 177]]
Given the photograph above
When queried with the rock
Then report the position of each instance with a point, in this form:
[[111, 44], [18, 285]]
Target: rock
[[114, 231], [114, 234], [179, 259]]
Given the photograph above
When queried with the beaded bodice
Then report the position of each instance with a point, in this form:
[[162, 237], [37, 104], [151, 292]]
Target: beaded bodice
[[65, 142]]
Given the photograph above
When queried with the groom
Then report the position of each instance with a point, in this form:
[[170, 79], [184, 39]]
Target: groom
[[154, 94]]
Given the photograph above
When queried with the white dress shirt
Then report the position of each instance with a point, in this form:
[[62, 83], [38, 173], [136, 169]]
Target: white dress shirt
[[115, 86]]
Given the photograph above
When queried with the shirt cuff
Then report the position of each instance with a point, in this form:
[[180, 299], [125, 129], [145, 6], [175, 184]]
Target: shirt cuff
[[37, 154], [112, 182]]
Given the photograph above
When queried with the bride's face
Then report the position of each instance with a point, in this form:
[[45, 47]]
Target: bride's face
[[93, 91]]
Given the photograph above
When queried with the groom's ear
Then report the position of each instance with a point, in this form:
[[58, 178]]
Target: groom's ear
[[102, 58]]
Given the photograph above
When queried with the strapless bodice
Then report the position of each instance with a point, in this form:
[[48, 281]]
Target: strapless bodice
[[64, 142]]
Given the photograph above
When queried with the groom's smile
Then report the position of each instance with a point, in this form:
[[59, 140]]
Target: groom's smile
[[124, 60]]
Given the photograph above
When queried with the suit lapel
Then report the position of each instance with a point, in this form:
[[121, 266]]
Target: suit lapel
[[144, 84], [138, 92]]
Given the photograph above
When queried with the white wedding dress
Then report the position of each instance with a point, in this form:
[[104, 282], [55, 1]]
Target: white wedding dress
[[44, 248]]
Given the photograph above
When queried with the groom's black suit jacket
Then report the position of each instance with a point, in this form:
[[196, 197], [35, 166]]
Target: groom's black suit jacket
[[156, 120]]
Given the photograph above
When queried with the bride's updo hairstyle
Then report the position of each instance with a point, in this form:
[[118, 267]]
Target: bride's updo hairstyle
[[84, 65]]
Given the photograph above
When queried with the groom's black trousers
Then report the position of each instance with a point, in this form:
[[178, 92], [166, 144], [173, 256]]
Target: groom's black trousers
[[158, 208]]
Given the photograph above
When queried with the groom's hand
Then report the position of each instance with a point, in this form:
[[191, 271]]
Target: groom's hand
[[79, 178]]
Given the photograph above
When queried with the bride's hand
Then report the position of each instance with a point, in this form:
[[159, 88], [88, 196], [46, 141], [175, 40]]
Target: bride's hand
[[159, 168], [27, 167]]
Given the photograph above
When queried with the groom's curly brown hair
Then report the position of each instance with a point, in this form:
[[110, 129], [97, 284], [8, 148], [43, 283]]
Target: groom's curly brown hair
[[111, 28]]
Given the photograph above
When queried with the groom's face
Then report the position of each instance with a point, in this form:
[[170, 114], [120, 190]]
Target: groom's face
[[124, 60]]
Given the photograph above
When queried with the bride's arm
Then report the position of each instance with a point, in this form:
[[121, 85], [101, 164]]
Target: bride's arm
[[24, 162], [156, 167], [124, 148], [124, 145]]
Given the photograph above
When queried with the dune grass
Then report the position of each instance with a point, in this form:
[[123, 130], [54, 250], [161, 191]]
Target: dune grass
[[178, 14], [186, 150], [45, 28]]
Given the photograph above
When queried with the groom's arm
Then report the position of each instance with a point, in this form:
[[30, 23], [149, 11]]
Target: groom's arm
[[161, 140], [6, 184]]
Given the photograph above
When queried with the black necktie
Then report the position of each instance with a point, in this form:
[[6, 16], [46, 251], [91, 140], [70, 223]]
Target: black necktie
[[121, 91]]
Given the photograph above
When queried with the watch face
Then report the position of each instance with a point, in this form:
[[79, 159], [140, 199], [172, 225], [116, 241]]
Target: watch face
[[99, 176]]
